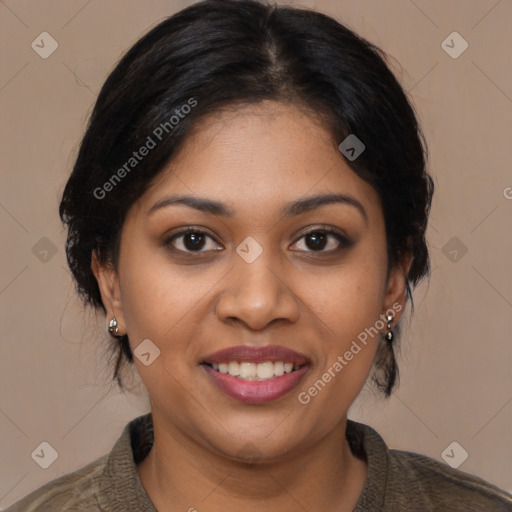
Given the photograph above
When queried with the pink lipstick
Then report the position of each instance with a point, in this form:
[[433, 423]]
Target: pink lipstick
[[256, 375]]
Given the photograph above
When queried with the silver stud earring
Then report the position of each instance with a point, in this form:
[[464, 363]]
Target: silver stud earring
[[113, 329], [389, 335]]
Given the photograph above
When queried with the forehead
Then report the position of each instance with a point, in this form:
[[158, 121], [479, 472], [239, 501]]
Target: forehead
[[259, 156]]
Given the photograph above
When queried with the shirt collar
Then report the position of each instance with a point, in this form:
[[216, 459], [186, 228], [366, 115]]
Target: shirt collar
[[121, 488]]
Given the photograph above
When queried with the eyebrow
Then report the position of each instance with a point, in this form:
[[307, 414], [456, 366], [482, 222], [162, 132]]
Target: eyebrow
[[290, 209]]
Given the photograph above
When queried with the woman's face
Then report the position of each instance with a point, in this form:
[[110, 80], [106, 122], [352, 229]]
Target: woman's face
[[254, 278]]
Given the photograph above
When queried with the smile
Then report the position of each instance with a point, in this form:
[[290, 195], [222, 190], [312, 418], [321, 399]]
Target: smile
[[255, 374], [260, 372]]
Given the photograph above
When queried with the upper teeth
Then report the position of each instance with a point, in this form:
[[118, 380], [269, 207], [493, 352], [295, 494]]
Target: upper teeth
[[254, 371]]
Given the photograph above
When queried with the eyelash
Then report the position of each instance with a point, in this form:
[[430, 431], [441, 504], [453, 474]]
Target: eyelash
[[344, 241]]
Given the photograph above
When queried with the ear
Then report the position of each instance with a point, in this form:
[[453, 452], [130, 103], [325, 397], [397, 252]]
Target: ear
[[108, 283], [397, 286]]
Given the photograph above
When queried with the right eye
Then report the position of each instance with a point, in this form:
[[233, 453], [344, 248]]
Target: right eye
[[189, 241]]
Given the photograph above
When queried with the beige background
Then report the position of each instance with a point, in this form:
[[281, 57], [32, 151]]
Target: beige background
[[456, 361]]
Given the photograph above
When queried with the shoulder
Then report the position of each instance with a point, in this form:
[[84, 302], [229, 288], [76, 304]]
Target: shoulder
[[73, 492], [399, 481], [441, 487], [110, 482]]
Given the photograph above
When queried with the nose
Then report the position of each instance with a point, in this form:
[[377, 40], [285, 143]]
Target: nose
[[257, 294]]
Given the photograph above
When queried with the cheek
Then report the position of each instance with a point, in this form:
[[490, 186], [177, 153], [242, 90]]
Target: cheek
[[350, 305], [158, 302], [160, 299], [349, 298]]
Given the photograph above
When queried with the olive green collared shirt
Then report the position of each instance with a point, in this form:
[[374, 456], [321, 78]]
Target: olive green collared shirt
[[396, 480]]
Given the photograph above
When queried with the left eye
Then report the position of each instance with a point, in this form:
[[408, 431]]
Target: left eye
[[317, 240]]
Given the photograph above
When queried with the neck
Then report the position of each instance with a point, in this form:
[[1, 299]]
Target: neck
[[180, 474]]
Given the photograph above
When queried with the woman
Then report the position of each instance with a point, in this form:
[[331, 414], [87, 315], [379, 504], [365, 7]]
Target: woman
[[249, 207]]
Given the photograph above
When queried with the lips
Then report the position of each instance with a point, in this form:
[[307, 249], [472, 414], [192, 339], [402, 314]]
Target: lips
[[246, 353], [256, 391]]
